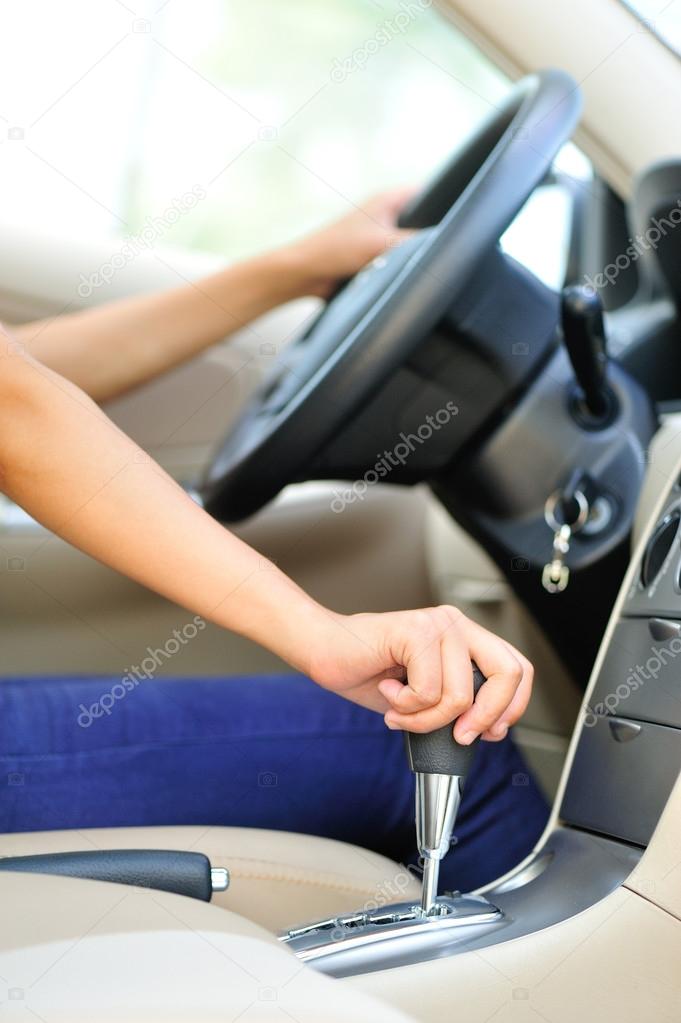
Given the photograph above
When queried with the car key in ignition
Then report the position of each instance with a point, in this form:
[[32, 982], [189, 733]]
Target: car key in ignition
[[441, 765]]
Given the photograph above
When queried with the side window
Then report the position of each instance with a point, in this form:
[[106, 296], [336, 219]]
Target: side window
[[278, 112], [284, 111], [233, 126]]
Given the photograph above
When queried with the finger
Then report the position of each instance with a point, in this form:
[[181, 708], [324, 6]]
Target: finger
[[503, 672], [424, 679], [390, 204], [457, 689], [457, 674], [518, 704]]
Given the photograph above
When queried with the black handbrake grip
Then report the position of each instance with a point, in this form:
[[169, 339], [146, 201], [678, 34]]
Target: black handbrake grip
[[184, 873], [438, 752]]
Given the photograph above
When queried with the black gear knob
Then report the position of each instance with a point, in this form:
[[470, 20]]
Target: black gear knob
[[438, 752]]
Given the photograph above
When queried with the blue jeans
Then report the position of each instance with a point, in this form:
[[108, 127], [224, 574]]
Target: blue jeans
[[269, 752]]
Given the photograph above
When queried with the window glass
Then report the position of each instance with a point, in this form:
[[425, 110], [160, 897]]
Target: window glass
[[230, 126]]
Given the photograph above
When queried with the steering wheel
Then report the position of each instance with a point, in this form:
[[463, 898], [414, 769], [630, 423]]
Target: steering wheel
[[380, 318]]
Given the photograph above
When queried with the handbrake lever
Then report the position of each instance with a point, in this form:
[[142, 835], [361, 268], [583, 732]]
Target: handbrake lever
[[441, 766], [167, 870]]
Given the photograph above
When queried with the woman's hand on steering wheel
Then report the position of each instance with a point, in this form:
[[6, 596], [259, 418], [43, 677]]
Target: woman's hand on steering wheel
[[368, 658], [337, 252]]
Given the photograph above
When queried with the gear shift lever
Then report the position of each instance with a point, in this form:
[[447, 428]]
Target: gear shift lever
[[395, 935], [584, 334], [441, 765]]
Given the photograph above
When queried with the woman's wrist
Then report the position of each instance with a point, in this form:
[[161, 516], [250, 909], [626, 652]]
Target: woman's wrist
[[273, 611], [291, 273]]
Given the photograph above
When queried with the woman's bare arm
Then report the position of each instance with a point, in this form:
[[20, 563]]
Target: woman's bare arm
[[67, 464], [112, 348]]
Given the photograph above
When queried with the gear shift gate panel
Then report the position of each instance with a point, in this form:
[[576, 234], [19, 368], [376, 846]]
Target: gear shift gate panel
[[391, 936]]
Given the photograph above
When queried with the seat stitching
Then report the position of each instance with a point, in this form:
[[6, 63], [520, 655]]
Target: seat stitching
[[290, 879]]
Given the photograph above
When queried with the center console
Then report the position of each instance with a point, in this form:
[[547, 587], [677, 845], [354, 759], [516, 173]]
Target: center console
[[629, 752], [624, 762]]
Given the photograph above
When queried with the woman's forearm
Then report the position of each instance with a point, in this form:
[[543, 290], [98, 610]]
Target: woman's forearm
[[117, 346], [67, 464]]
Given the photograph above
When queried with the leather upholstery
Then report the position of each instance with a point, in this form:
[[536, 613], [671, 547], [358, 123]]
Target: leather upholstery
[[278, 879], [74, 951]]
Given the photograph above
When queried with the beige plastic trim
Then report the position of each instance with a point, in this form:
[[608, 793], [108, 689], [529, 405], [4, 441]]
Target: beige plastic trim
[[630, 80], [617, 961]]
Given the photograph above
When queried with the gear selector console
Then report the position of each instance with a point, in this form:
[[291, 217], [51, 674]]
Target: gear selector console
[[410, 932], [391, 936]]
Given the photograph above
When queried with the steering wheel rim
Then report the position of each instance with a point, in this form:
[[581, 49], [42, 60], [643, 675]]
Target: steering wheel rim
[[382, 315]]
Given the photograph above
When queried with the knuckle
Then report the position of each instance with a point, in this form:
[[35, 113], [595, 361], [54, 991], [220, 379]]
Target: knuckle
[[513, 669], [422, 620], [455, 704], [449, 612], [410, 700], [423, 698], [487, 717]]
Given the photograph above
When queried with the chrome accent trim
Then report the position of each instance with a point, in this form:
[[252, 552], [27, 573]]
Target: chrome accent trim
[[219, 879], [390, 936]]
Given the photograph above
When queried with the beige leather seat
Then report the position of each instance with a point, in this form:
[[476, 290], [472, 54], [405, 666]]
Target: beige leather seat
[[74, 951], [278, 879]]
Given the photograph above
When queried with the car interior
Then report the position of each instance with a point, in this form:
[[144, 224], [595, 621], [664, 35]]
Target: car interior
[[546, 505]]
